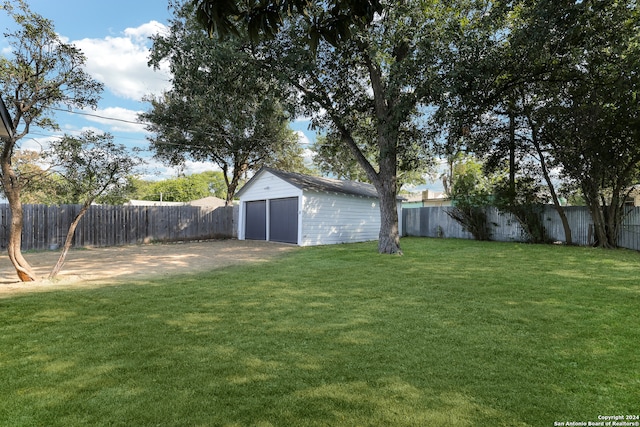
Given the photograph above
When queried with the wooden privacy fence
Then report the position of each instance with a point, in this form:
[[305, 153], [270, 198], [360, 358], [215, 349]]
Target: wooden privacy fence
[[45, 227], [434, 222]]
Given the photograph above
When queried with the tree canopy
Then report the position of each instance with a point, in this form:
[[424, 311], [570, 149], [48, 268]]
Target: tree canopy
[[592, 119], [331, 21], [183, 188], [555, 82], [41, 73], [369, 91], [333, 158], [89, 166], [534, 84], [221, 108]]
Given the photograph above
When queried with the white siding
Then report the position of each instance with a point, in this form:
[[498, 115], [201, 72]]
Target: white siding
[[323, 218], [334, 218], [269, 186]]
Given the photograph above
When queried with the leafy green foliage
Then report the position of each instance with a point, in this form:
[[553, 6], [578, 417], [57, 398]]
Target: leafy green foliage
[[38, 183], [471, 194], [222, 107], [331, 21], [525, 202], [476, 188], [370, 92], [90, 166], [183, 188], [554, 81], [41, 73], [591, 120], [332, 157]]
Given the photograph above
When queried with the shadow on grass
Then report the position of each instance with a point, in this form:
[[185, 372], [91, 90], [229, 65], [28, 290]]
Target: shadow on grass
[[453, 333]]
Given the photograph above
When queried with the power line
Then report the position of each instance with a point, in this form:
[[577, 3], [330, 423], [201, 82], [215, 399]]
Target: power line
[[44, 135], [207, 133], [101, 117]]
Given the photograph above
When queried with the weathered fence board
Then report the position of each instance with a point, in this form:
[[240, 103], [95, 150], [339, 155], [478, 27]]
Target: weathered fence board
[[45, 227], [434, 222]]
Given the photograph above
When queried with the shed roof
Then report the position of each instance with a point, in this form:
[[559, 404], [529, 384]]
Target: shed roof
[[210, 201], [318, 184]]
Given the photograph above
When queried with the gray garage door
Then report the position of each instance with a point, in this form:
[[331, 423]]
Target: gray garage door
[[256, 220], [283, 220]]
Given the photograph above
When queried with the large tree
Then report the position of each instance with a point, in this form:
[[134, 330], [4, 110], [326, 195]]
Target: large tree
[[386, 74], [221, 108], [574, 67], [555, 81], [41, 73], [333, 158], [89, 166], [592, 119]]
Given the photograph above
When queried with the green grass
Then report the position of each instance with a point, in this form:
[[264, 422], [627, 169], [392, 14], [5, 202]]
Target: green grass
[[454, 333]]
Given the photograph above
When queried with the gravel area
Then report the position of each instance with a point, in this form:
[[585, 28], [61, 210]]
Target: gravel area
[[102, 266]]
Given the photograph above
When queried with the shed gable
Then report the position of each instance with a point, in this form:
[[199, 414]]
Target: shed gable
[[268, 186]]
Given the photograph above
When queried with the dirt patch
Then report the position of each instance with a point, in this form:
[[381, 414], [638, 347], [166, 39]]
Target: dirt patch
[[100, 266]]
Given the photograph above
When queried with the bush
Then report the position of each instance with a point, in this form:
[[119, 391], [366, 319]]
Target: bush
[[473, 219], [471, 195], [526, 205]]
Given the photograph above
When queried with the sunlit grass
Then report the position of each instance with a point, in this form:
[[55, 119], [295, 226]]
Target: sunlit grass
[[454, 333]]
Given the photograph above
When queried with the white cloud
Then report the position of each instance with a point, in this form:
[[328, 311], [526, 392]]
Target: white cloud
[[117, 118], [144, 31], [37, 144], [97, 131], [302, 138], [155, 170], [307, 153], [121, 62], [192, 167]]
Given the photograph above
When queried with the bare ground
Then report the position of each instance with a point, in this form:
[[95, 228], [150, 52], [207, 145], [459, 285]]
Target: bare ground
[[102, 266]]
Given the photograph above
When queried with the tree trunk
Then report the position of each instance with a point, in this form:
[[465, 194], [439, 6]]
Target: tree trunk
[[232, 186], [23, 269], [68, 240], [614, 215], [598, 217], [12, 191], [386, 186], [600, 228], [512, 153], [389, 236], [568, 238]]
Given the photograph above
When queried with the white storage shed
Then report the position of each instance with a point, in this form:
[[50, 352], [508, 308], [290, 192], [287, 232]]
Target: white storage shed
[[305, 210]]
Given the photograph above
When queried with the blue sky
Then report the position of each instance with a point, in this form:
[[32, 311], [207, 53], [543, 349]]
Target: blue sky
[[114, 36]]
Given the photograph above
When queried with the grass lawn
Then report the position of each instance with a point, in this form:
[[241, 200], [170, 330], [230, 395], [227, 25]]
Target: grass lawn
[[453, 333]]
